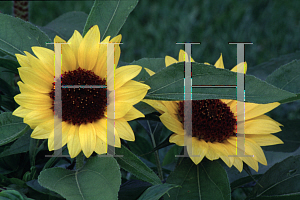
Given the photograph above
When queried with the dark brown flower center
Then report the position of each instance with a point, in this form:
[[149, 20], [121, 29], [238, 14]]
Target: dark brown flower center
[[212, 120], [81, 105]]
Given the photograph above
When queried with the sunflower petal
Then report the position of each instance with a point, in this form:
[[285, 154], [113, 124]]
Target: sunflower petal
[[36, 117], [87, 138], [172, 124], [101, 129], [74, 146], [219, 64], [101, 146], [124, 130], [244, 68], [265, 139], [34, 101], [121, 109], [46, 56], [158, 105], [74, 43], [197, 150], [169, 61], [177, 139], [88, 49], [149, 71], [21, 111], [132, 114], [261, 125], [182, 55], [126, 73], [40, 133], [131, 92]]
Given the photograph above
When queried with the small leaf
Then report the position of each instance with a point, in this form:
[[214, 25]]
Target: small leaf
[[17, 35], [134, 165], [98, 179], [154, 64], [21, 145], [281, 180], [207, 180], [168, 84], [156, 191], [109, 16], [11, 127], [65, 25]]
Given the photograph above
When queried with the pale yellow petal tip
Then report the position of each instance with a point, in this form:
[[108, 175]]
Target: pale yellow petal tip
[[116, 39], [219, 64], [169, 61], [149, 71], [58, 39]]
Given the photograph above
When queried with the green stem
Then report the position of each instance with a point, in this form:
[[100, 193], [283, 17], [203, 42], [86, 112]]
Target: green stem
[[79, 161], [159, 169]]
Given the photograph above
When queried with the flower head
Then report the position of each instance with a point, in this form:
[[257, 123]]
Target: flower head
[[214, 124], [84, 110]]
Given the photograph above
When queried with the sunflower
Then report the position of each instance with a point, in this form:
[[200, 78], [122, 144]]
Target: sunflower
[[214, 126], [84, 110]]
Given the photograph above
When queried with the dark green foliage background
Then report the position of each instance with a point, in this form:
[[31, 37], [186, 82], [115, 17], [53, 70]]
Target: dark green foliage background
[[272, 26]]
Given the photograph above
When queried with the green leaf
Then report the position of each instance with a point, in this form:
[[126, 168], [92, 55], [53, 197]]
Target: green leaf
[[6, 88], [154, 64], [9, 64], [262, 70], [168, 84], [281, 180], [156, 191], [132, 189], [134, 165], [170, 156], [11, 127], [12, 195], [243, 181], [65, 25], [34, 184], [287, 77], [109, 16], [144, 108], [99, 178], [207, 180], [17, 35], [21, 145]]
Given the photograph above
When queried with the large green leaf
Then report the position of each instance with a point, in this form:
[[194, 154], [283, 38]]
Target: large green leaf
[[98, 179], [17, 35], [280, 181], [109, 16], [134, 165], [65, 25], [168, 84], [8, 63], [11, 127], [21, 145], [287, 77], [156, 191], [207, 180], [154, 64]]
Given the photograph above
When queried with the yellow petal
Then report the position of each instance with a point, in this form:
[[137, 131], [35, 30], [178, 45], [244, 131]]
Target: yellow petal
[[46, 56], [158, 105], [21, 112], [219, 64], [39, 68], [74, 43], [117, 52], [58, 39], [222, 152], [265, 139], [35, 80], [37, 117], [124, 130], [150, 72], [23, 60], [121, 109], [172, 123], [243, 67], [88, 49], [172, 106], [198, 150], [126, 73], [40, 133], [211, 154], [252, 109], [131, 92], [177, 139], [100, 68], [251, 148], [34, 101], [261, 125], [74, 146], [101, 146], [132, 114], [87, 138], [55, 141], [69, 62], [101, 129], [169, 61], [182, 55], [238, 163]]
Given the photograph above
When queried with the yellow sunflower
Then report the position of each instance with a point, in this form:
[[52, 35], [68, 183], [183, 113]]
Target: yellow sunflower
[[214, 126], [84, 111]]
